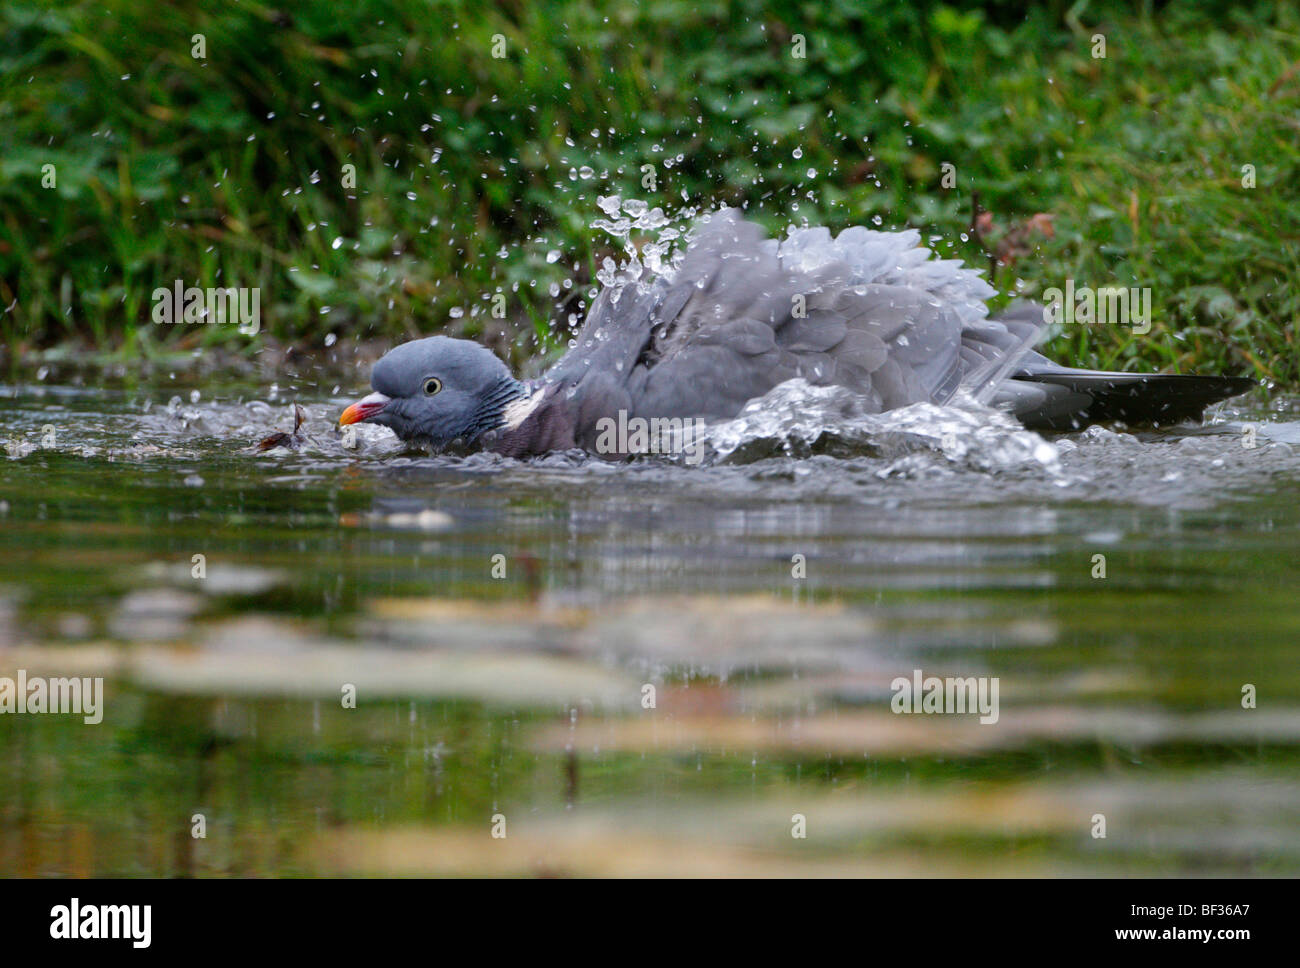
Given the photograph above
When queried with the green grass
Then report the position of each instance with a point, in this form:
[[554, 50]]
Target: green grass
[[227, 170]]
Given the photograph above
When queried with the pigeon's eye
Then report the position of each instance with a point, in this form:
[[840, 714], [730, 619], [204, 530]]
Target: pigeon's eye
[[432, 386]]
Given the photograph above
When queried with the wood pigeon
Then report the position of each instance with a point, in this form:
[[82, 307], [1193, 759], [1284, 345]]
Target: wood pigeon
[[866, 310]]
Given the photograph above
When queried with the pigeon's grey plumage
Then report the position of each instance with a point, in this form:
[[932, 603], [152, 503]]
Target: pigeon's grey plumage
[[866, 310]]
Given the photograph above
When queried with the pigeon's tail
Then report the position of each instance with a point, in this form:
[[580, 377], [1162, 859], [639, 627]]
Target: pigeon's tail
[[1065, 399], [1004, 370]]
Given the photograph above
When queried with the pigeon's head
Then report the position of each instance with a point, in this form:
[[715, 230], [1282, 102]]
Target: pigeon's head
[[437, 391]]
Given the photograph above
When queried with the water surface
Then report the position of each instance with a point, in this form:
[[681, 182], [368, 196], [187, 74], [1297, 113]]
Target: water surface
[[500, 622]]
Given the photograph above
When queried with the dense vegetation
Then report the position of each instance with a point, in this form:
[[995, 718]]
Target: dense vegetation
[[229, 168]]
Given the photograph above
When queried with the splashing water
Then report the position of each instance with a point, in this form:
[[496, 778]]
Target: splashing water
[[660, 257], [797, 419]]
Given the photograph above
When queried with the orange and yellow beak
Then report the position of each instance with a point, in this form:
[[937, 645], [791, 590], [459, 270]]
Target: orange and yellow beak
[[363, 409]]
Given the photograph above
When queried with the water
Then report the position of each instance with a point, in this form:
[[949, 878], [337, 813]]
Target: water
[[949, 541]]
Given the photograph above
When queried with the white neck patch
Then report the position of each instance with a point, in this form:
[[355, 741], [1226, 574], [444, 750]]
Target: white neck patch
[[518, 410]]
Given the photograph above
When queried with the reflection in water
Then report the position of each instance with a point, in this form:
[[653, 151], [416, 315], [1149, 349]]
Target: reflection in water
[[646, 668]]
